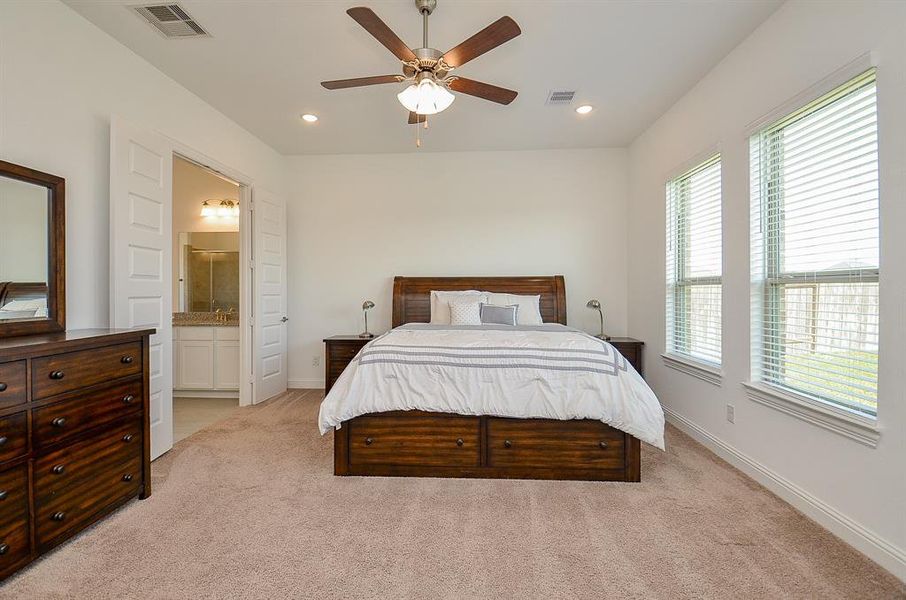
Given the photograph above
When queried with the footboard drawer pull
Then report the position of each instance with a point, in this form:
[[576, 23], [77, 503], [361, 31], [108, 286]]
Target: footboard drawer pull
[[459, 442], [603, 445], [368, 441], [58, 516], [507, 444]]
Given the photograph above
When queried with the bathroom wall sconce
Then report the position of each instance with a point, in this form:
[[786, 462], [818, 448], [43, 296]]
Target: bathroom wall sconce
[[224, 208]]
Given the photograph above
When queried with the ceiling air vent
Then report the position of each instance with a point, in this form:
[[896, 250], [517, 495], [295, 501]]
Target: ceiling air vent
[[557, 98], [171, 20]]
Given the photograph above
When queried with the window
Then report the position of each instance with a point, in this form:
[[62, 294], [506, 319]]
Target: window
[[694, 263], [814, 184]]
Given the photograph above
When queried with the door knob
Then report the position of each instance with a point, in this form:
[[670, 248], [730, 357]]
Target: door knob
[[284, 319]]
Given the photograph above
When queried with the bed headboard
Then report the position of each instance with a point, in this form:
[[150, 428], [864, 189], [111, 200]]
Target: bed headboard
[[412, 295], [18, 290]]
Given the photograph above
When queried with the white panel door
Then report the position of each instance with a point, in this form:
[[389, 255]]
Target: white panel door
[[269, 217], [141, 295]]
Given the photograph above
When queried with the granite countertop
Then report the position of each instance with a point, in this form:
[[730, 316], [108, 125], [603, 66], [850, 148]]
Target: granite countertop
[[206, 319]]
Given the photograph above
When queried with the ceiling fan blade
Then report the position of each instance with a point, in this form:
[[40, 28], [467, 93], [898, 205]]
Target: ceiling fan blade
[[499, 32], [373, 25], [417, 118], [483, 90], [339, 84]]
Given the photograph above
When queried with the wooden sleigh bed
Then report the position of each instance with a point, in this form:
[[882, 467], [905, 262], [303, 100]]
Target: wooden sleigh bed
[[422, 444]]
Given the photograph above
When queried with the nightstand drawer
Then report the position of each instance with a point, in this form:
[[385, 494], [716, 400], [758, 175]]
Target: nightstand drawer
[[339, 352]]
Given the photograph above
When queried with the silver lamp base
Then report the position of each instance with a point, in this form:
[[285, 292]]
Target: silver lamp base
[[601, 336], [366, 335]]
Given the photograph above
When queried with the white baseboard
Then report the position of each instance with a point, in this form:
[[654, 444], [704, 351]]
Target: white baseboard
[[206, 393], [306, 384], [866, 541]]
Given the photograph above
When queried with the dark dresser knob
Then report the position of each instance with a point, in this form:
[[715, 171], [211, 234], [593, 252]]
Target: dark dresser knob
[[4, 548], [57, 374], [507, 444], [3, 494], [2, 387], [128, 398], [128, 437], [368, 441], [3, 439], [127, 477], [459, 441], [58, 422], [126, 360], [603, 445], [58, 516], [58, 469]]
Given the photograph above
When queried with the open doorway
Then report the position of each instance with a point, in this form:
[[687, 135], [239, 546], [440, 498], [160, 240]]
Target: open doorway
[[207, 297], [143, 286]]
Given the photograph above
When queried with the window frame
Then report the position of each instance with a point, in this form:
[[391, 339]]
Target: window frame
[[768, 287], [680, 285]]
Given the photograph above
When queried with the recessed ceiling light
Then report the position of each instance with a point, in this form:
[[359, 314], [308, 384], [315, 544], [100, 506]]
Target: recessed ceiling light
[[585, 109], [308, 118]]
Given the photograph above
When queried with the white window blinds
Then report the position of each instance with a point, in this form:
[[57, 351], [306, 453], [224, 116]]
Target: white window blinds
[[814, 185], [694, 263]]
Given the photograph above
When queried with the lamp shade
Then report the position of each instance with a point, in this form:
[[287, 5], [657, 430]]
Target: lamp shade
[[426, 97], [207, 210], [367, 305], [594, 304]]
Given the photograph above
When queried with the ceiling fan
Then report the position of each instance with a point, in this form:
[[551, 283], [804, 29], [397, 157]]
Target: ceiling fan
[[427, 70]]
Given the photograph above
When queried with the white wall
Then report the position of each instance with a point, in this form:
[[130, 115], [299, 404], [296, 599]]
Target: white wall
[[856, 491], [60, 80], [356, 221]]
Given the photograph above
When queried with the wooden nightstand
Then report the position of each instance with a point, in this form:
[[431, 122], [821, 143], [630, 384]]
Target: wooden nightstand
[[338, 352], [630, 348]]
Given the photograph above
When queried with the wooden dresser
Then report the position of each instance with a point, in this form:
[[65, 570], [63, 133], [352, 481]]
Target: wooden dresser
[[74, 435]]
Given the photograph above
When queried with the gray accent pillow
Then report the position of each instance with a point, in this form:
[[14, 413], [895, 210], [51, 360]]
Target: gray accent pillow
[[492, 314]]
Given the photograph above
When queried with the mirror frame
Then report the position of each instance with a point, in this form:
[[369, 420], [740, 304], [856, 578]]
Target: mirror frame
[[56, 253]]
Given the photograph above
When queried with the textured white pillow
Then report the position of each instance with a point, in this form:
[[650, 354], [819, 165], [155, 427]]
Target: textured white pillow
[[465, 312], [529, 312], [440, 303]]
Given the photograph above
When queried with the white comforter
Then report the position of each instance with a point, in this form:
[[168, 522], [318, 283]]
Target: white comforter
[[550, 372]]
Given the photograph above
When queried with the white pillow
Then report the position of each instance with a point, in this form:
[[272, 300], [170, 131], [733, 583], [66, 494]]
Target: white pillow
[[32, 305], [466, 312], [440, 303], [529, 312]]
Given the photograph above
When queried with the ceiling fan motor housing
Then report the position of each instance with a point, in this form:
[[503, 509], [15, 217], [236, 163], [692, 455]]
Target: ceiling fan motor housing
[[426, 6]]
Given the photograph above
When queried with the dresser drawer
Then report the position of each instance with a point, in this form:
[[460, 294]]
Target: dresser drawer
[[14, 546], [70, 417], [73, 464], [53, 375], [14, 497], [12, 383], [410, 439], [548, 443], [13, 436], [78, 505]]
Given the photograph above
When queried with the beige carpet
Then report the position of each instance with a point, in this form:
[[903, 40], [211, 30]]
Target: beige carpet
[[248, 508]]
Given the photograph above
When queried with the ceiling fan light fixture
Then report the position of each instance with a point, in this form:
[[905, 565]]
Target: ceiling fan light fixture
[[426, 97]]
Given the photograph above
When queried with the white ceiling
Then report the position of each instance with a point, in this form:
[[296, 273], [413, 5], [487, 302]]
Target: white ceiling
[[265, 59]]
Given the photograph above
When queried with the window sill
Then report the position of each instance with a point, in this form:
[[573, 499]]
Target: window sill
[[703, 371], [861, 429]]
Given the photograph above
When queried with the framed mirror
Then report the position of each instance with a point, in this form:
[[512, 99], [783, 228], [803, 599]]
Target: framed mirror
[[32, 251]]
